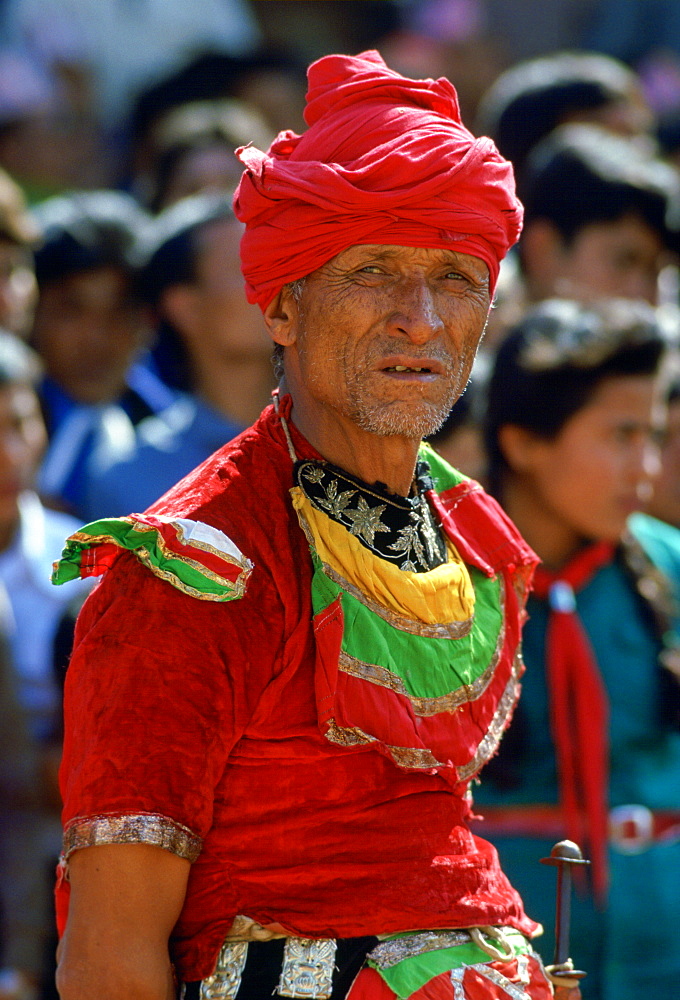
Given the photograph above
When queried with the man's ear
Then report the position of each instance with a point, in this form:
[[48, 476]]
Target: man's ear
[[519, 447], [281, 317]]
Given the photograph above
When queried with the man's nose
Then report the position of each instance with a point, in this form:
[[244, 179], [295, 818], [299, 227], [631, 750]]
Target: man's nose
[[416, 315]]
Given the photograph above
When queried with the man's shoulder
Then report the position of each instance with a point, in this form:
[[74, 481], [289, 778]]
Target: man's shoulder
[[241, 479], [206, 537]]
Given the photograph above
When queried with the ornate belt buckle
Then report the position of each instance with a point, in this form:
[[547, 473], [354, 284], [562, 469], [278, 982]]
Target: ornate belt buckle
[[631, 828], [307, 969], [226, 979]]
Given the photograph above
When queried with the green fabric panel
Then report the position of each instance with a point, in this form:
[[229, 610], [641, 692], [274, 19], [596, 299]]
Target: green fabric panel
[[412, 973], [444, 475], [429, 668], [67, 568], [144, 545]]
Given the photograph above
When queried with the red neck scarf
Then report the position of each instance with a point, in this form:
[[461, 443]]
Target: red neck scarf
[[579, 709]]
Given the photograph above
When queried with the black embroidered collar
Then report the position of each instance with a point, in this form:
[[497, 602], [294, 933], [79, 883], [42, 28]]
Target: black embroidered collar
[[400, 529]]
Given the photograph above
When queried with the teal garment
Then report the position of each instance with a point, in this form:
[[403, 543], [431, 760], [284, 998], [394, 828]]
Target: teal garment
[[630, 950]]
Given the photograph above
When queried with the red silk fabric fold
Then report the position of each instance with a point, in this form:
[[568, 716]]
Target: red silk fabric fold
[[579, 707], [385, 160]]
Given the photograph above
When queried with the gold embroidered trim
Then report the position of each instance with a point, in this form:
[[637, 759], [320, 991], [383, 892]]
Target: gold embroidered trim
[[186, 588], [196, 543], [445, 630], [489, 743], [238, 586], [512, 990], [411, 757], [424, 707], [390, 953], [135, 828], [347, 737]]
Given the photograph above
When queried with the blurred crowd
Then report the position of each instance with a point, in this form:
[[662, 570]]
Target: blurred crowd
[[128, 354]]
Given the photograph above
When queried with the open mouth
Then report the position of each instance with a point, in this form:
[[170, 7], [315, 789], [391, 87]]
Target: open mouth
[[405, 368]]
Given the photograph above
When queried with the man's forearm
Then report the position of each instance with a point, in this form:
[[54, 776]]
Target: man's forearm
[[108, 978]]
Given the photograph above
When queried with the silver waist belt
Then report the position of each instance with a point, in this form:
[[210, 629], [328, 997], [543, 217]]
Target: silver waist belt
[[306, 970], [308, 963]]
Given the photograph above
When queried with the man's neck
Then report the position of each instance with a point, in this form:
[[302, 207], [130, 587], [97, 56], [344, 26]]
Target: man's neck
[[372, 458]]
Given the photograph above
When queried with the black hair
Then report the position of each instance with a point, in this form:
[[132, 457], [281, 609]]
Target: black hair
[[86, 230], [170, 256], [19, 364], [199, 125], [582, 174], [207, 76], [170, 250], [552, 362], [533, 97]]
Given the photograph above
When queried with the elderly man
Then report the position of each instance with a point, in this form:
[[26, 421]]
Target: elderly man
[[302, 655]]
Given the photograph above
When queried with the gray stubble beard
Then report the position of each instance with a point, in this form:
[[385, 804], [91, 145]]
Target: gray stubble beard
[[416, 419]]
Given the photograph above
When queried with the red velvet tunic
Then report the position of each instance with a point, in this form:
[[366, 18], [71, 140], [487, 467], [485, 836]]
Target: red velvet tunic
[[198, 719]]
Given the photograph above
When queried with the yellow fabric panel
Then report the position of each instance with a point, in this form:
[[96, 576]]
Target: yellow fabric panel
[[443, 594]]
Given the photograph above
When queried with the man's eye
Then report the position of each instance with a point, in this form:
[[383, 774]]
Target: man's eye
[[371, 269]]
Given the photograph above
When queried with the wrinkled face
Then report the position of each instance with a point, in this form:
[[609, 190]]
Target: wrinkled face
[[599, 469], [621, 259], [383, 337], [88, 330], [22, 440]]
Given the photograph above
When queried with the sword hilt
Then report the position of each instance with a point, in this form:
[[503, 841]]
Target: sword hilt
[[564, 856]]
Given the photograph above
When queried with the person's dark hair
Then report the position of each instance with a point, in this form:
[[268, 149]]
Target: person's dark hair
[[198, 125], [554, 359], [86, 230], [532, 98], [19, 364], [169, 256], [207, 76], [582, 174], [170, 250]]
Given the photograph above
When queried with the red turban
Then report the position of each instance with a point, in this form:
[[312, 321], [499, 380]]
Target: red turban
[[384, 160]]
